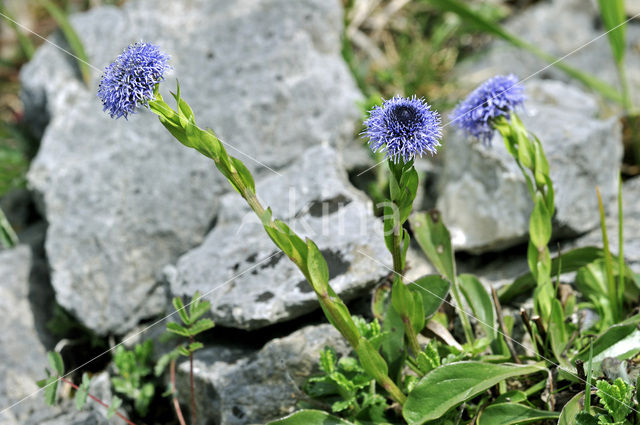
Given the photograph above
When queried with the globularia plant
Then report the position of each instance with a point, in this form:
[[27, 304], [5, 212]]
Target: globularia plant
[[394, 376]]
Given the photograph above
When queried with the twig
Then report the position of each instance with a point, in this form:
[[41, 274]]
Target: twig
[[192, 386], [97, 400], [503, 327], [551, 389], [540, 327], [527, 324], [176, 403]]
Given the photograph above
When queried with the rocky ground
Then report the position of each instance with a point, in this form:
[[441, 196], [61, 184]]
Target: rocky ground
[[133, 218]]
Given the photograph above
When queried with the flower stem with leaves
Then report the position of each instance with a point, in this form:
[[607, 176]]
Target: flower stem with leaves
[[305, 254], [529, 155], [193, 324]]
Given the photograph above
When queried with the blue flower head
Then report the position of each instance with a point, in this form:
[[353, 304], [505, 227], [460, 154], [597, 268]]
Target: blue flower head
[[130, 80], [496, 97], [403, 128]]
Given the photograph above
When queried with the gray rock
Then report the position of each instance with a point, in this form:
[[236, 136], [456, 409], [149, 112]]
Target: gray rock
[[631, 232], [73, 417], [123, 198], [22, 355], [558, 27], [263, 386], [483, 197], [256, 285]]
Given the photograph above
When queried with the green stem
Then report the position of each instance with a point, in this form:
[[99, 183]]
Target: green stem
[[396, 253], [624, 83], [464, 319], [411, 335], [621, 281], [608, 261], [326, 301]]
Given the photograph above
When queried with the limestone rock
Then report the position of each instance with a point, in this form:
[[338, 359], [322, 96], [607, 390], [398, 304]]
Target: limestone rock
[[263, 386], [22, 355]]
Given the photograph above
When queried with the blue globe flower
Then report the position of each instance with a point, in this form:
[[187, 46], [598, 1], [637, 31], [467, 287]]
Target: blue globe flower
[[403, 128], [496, 97], [130, 80]]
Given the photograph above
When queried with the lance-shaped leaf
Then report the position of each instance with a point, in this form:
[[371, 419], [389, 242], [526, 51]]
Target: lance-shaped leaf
[[513, 414], [447, 386], [434, 239], [310, 417]]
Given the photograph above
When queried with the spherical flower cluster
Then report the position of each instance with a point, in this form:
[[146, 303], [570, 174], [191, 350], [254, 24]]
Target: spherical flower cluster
[[130, 80], [496, 97], [403, 128]]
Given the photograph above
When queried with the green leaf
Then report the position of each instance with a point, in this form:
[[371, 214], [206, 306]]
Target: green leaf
[[244, 173], [83, 391], [310, 417], [8, 237], [72, 38], [513, 396], [557, 330], [179, 306], [417, 314], [449, 385], [434, 290], [393, 342], [317, 267], [613, 17], [540, 223], [328, 360], [56, 363], [571, 410], [571, 262], [525, 152], [163, 361], [198, 307], [621, 341], [608, 261], [428, 359], [468, 14], [402, 299], [116, 402], [434, 239], [50, 386], [480, 301], [616, 398], [200, 326], [513, 414], [584, 418], [370, 359], [177, 329], [194, 346]]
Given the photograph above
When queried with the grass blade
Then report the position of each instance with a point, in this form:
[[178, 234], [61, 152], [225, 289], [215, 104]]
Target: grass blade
[[613, 17], [26, 45], [621, 275], [608, 261], [72, 38], [466, 13], [8, 237]]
